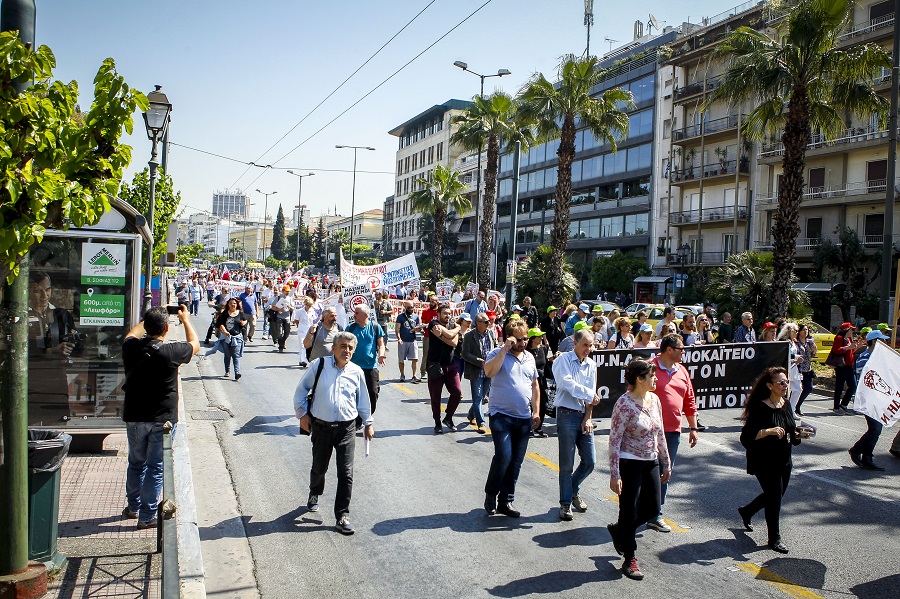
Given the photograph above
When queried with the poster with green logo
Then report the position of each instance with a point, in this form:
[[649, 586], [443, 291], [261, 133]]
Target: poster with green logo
[[97, 309], [103, 264]]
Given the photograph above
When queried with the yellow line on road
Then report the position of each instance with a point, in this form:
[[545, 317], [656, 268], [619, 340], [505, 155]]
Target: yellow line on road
[[782, 584], [404, 388]]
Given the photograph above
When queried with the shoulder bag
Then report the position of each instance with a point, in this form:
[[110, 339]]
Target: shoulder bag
[[312, 393]]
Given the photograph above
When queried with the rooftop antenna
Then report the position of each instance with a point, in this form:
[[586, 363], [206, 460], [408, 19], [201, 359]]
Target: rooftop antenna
[[611, 41], [588, 23], [652, 24]]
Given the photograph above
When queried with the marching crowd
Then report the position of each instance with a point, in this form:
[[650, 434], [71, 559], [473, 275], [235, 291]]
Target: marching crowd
[[523, 365]]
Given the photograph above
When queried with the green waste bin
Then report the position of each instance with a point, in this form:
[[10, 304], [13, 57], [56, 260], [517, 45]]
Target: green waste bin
[[46, 452]]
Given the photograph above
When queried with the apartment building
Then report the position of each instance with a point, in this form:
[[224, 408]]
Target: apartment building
[[367, 227], [387, 226], [423, 143], [228, 203], [846, 177]]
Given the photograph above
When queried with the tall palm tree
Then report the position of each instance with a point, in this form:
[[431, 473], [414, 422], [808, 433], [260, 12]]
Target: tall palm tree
[[799, 81], [490, 121], [445, 192], [553, 109]]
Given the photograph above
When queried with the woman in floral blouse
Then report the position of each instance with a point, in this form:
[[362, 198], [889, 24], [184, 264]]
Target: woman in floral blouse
[[807, 351], [637, 447]]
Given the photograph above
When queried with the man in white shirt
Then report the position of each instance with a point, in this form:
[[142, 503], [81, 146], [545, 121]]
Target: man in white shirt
[[575, 374], [340, 397]]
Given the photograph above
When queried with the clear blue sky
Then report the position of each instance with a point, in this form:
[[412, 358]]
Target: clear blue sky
[[240, 74]]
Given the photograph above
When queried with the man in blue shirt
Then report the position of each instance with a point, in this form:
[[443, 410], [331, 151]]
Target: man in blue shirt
[[369, 349], [862, 450], [476, 306], [581, 314], [248, 306], [407, 324], [513, 407]]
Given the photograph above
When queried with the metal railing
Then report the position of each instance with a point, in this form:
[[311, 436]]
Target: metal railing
[[698, 87], [818, 140], [867, 27], [729, 167], [699, 258], [627, 65], [713, 126], [707, 215], [834, 191], [166, 525]]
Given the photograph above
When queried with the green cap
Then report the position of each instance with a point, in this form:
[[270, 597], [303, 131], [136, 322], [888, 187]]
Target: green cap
[[597, 308], [883, 326], [865, 330], [514, 317], [551, 309], [535, 332], [580, 325]]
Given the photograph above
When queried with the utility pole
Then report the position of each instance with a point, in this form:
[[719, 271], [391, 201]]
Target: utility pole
[[15, 15], [510, 278], [887, 242]]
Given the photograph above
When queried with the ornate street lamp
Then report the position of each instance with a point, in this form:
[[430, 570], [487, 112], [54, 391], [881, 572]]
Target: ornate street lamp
[[156, 120]]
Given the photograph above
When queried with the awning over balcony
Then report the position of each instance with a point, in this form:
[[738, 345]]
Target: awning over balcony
[[653, 280]]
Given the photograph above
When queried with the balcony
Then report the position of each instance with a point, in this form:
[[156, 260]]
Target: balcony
[[708, 127], [830, 191], [729, 167], [707, 215], [867, 27], [809, 244], [853, 135], [697, 88], [699, 259]]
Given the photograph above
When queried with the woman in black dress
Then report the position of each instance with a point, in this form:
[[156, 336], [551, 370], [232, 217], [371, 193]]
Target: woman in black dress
[[768, 435], [537, 347]]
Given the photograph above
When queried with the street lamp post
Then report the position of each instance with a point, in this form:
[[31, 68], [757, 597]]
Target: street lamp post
[[684, 251], [500, 73], [244, 234], [265, 216], [299, 197], [156, 119], [353, 197]]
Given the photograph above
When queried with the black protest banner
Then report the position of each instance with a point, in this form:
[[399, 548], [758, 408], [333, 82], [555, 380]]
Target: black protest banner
[[722, 374]]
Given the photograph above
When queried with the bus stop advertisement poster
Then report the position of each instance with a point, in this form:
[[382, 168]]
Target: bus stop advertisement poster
[[722, 374], [81, 305]]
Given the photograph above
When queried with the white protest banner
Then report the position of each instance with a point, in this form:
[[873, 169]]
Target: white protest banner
[[380, 275], [878, 391], [356, 295]]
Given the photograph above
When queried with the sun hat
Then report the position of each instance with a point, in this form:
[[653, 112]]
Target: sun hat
[[580, 325], [535, 332]]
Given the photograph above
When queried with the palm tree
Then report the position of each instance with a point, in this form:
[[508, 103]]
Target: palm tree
[[443, 193], [553, 109], [490, 121], [799, 81], [745, 284]]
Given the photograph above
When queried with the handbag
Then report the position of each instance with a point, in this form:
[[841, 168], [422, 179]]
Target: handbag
[[551, 397], [311, 395], [834, 360]]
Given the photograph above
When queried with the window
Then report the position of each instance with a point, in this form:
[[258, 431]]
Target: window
[[505, 163], [640, 123], [728, 245], [814, 228], [614, 163], [415, 161], [422, 157], [667, 128], [882, 9], [638, 157], [874, 228], [636, 224], [399, 167], [440, 151], [612, 226], [504, 208], [431, 155], [551, 178], [406, 165], [816, 180], [505, 187], [642, 89]]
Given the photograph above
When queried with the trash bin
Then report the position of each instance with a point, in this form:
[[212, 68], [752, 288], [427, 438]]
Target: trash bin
[[46, 452]]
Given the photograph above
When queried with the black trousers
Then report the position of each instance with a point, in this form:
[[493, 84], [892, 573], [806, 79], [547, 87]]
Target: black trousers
[[338, 437], [639, 501], [844, 375], [280, 329], [774, 483]]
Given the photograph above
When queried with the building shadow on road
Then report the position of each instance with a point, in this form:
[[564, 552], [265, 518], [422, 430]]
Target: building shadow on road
[[475, 520], [424, 431], [282, 367], [882, 587], [588, 536], [560, 581], [801, 572], [266, 425]]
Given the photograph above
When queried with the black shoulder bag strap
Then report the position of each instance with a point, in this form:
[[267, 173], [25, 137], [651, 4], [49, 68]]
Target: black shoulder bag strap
[[312, 393]]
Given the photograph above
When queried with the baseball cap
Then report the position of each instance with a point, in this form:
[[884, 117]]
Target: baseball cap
[[646, 328], [516, 307], [551, 309], [286, 288], [515, 317], [768, 325], [873, 335], [847, 325], [535, 332], [581, 325], [865, 330], [597, 308], [465, 316], [883, 326], [584, 307]]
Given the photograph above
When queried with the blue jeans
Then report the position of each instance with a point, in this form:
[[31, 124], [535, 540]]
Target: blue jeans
[[568, 428], [234, 349], [144, 479], [866, 444], [481, 387], [195, 307], [673, 440], [510, 437]]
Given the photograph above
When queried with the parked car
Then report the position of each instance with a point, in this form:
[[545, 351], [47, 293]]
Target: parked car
[[655, 314], [633, 309], [824, 340], [607, 306]]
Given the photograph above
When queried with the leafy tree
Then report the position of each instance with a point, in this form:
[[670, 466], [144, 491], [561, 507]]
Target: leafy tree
[[425, 227], [278, 242], [444, 193], [554, 109], [846, 262], [800, 81], [617, 272], [490, 121], [533, 278], [58, 166], [185, 253], [746, 284], [165, 209]]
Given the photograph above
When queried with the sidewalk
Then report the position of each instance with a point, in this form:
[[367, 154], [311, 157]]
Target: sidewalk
[[107, 555]]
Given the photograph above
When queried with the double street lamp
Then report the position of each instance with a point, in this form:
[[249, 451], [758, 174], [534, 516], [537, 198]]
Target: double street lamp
[[265, 216], [500, 73], [156, 119], [297, 224], [353, 199]]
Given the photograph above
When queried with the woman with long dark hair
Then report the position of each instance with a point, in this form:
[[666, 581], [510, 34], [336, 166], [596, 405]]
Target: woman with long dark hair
[[808, 351], [768, 435], [842, 350], [230, 323]]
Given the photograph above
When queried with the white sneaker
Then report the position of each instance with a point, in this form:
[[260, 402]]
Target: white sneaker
[[579, 504], [659, 525]]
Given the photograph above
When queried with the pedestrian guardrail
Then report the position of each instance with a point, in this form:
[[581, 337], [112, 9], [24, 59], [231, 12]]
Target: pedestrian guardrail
[[167, 527]]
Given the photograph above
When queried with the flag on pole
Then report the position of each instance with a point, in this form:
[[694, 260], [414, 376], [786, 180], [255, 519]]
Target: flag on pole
[[225, 274], [878, 391]]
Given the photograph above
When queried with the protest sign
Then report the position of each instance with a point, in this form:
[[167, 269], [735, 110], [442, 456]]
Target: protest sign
[[471, 286], [878, 391], [445, 290], [357, 295], [380, 275], [722, 374]]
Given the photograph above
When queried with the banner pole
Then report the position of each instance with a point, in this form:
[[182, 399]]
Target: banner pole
[[896, 299]]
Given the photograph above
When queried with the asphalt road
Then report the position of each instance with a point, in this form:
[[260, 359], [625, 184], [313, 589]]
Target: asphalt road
[[421, 530]]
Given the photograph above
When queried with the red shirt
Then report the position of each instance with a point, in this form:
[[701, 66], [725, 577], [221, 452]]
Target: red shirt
[[427, 316], [676, 395], [842, 347]]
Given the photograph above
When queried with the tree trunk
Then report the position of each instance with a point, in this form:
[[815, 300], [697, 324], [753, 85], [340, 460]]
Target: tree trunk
[[559, 236], [487, 214], [440, 217], [786, 228]]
